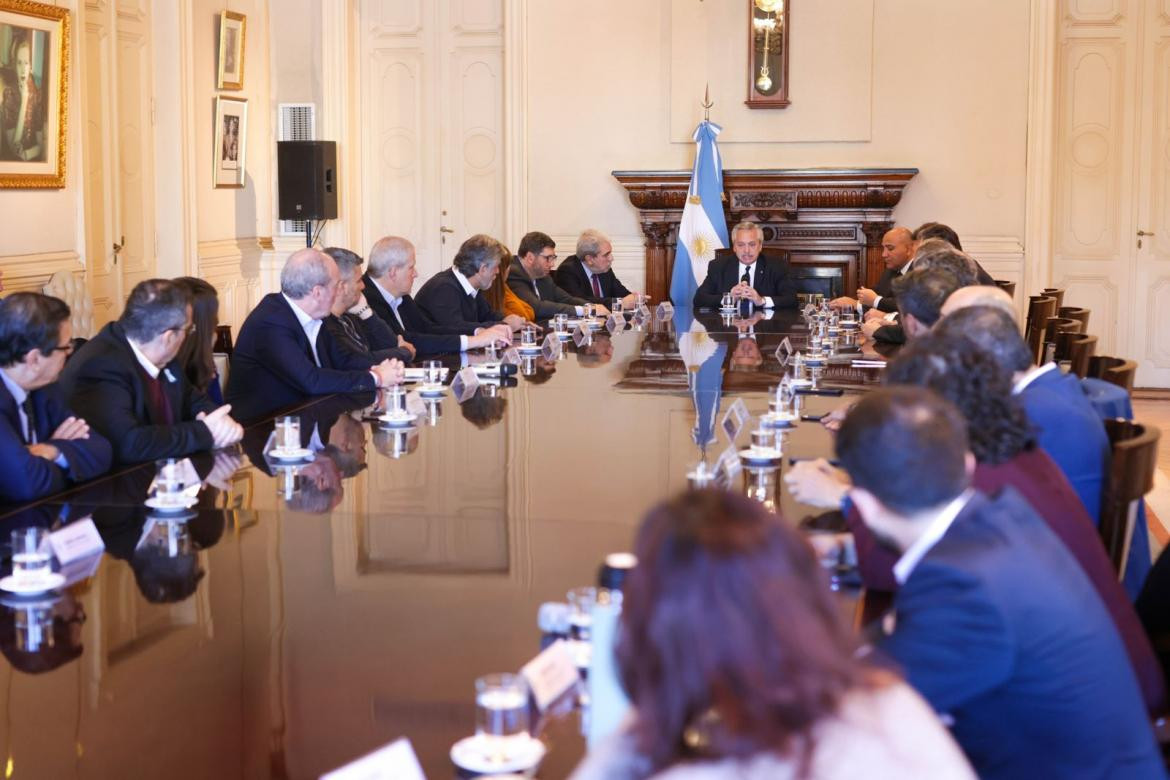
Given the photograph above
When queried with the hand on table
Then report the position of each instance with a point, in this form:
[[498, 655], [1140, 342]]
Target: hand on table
[[816, 483], [224, 430], [867, 296], [389, 372]]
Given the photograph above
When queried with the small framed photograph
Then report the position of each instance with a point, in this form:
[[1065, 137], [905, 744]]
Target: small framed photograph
[[231, 132], [34, 82], [231, 50]]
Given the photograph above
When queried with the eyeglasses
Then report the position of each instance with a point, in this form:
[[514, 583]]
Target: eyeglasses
[[187, 329], [67, 349], [549, 258]]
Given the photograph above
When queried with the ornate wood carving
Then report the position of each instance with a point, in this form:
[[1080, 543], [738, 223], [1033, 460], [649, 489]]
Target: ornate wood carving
[[820, 218]]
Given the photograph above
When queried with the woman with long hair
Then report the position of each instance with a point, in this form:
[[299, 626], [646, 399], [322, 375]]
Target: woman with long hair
[[197, 354], [501, 297], [738, 664]]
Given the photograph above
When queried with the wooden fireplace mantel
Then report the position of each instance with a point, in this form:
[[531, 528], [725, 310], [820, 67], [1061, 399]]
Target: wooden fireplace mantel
[[819, 218]]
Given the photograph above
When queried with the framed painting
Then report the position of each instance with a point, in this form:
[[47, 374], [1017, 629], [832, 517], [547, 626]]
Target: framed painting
[[231, 130], [34, 81], [231, 50]]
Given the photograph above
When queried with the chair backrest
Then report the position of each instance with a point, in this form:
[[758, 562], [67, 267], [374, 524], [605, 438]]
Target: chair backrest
[[71, 288], [1116, 370], [1080, 351], [1131, 476], [1075, 313], [1055, 292], [1006, 286], [1056, 325], [1040, 309]]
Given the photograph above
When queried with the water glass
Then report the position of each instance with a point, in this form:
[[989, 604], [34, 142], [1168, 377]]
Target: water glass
[[560, 323], [501, 713], [489, 352], [528, 336], [581, 602], [727, 301], [168, 483], [30, 553], [288, 433], [433, 372], [763, 438], [395, 399], [615, 306], [639, 300], [590, 311]]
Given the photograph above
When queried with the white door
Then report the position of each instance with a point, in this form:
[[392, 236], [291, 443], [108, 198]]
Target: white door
[[117, 85], [431, 114], [1112, 177]]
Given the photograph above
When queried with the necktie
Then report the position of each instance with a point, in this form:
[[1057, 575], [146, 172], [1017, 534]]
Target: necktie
[[596, 285], [352, 331], [746, 278], [30, 420], [160, 405]]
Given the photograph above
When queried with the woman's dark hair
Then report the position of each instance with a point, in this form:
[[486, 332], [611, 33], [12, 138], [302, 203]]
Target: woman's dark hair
[[196, 356], [29, 321], [972, 380], [495, 294], [729, 632]]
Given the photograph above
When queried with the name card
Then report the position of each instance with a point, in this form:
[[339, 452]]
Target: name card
[[551, 673], [511, 356], [552, 347], [76, 541], [582, 336], [728, 467], [734, 420], [464, 384], [784, 351], [615, 323], [396, 761], [665, 311]]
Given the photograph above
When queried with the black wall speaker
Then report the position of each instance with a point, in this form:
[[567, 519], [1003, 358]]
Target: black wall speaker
[[307, 176]]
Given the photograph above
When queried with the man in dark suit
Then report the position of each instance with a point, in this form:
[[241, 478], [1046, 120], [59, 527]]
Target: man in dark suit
[[43, 446], [387, 290], [996, 624], [283, 353], [352, 323], [1064, 422], [127, 383], [452, 298], [897, 256], [765, 281], [531, 279], [589, 273]]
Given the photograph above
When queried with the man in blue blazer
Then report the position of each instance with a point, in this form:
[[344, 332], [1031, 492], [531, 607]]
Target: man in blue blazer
[[452, 298], [283, 353], [43, 446], [128, 384], [748, 275], [388, 283], [995, 623]]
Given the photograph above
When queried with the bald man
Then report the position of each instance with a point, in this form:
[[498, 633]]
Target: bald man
[[980, 295], [897, 256], [283, 354]]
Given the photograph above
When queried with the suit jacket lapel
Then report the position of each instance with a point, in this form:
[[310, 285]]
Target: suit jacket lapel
[[302, 337], [8, 409]]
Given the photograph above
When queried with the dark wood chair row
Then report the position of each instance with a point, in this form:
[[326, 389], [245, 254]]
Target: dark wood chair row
[[1131, 476]]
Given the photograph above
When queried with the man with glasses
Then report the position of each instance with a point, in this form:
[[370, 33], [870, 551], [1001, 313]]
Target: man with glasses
[[283, 353], [43, 445], [531, 280], [127, 383]]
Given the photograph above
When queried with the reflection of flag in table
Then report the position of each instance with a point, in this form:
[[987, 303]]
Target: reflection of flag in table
[[703, 357], [703, 228]]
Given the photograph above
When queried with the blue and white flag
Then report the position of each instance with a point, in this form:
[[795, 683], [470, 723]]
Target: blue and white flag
[[703, 228]]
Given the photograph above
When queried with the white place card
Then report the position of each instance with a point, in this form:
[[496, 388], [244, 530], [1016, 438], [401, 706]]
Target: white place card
[[396, 761], [552, 348], [615, 323], [464, 384], [734, 419], [784, 351], [511, 355], [582, 336], [551, 673], [728, 467], [665, 310], [80, 539]]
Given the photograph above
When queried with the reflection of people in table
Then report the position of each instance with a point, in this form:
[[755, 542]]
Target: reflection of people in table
[[22, 110], [230, 154]]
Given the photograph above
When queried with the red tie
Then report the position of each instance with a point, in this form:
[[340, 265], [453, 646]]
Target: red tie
[[160, 405], [596, 285]]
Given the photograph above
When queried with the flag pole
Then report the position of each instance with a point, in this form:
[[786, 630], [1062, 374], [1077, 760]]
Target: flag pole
[[706, 104]]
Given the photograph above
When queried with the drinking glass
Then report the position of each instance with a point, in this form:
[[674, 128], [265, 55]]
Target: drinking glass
[[30, 553], [168, 484], [590, 311], [615, 306], [433, 372], [528, 336], [560, 323], [288, 433], [395, 400], [727, 301], [639, 300], [501, 713], [489, 352], [763, 438], [581, 601]]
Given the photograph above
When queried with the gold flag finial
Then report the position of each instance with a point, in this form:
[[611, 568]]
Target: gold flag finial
[[707, 103]]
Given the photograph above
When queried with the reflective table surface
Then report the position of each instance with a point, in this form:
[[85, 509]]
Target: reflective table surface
[[298, 617]]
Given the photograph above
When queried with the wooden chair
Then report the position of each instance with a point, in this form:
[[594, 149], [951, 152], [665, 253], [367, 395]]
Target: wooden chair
[[1007, 287], [1131, 476], [1040, 309], [1116, 370], [1075, 313], [1052, 330], [1081, 349], [1054, 292]]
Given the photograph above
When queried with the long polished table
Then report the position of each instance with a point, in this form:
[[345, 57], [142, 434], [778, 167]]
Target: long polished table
[[299, 618]]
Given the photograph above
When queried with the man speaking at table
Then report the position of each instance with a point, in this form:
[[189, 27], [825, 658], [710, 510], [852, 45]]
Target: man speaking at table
[[284, 354], [749, 275]]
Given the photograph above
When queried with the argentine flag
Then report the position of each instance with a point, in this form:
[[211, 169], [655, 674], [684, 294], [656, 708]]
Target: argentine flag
[[703, 228]]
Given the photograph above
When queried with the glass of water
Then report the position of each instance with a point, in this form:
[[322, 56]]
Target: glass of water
[[560, 323], [501, 713], [30, 553], [528, 336], [395, 399], [433, 372], [288, 433], [581, 602], [727, 301], [615, 306], [489, 352], [168, 483]]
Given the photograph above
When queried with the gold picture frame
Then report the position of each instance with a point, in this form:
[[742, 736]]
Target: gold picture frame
[[231, 133], [232, 34], [34, 94]]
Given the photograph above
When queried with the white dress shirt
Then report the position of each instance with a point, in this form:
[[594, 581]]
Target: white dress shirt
[[1031, 375], [901, 272], [934, 532], [311, 326], [750, 270], [394, 301]]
